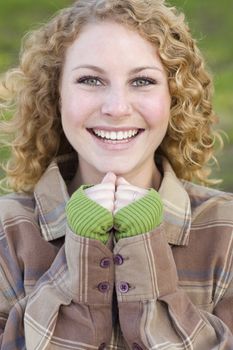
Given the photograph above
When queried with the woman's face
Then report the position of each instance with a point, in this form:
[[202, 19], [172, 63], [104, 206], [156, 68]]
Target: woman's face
[[115, 101]]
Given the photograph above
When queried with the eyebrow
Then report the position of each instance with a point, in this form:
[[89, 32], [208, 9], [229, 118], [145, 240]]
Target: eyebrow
[[89, 66], [139, 69], [133, 71]]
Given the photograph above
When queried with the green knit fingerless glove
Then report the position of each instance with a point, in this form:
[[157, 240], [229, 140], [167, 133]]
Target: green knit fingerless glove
[[87, 218], [140, 216]]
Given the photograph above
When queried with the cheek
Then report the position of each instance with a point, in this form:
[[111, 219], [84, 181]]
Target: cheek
[[78, 108], [72, 113], [157, 113]]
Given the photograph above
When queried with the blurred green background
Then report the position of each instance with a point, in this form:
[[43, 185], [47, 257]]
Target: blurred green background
[[211, 22]]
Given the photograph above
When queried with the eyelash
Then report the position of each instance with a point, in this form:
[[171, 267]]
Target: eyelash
[[84, 80], [87, 80], [147, 81]]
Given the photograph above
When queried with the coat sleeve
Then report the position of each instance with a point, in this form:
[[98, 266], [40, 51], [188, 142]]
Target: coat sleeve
[[154, 312], [59, 302], [224, 307], [71, 304]]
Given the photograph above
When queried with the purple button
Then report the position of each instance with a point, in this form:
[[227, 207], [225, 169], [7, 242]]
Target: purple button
[[102, 346], [135, 346], [103, 287], [105, 263], [124, 287], [118, 259]]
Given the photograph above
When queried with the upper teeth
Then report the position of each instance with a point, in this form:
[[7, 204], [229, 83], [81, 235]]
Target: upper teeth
[[115, 135]]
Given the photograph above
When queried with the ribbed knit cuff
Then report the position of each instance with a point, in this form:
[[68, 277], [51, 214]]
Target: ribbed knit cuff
[[87, 218], [140, 216]]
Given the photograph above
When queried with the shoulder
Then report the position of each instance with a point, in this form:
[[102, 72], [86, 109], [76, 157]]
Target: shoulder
[[210, 246], [210, 204]]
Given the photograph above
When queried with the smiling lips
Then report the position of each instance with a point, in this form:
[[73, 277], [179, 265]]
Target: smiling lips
[[115, 135]]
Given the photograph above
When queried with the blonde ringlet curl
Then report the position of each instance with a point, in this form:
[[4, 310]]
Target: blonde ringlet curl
[[31, 91]]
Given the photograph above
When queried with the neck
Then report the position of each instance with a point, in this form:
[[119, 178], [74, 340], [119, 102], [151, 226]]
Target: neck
[[144, 177]]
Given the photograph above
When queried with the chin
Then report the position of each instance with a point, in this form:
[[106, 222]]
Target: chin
[[119, 170]]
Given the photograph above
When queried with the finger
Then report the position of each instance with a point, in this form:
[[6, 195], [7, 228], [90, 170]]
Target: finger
[[102, 194], [124, 198], [121, 203], [128, 197], [131, 188], [121, 181], [98, 196], [101, 187], [107, 204], [124, 195], [109, 177]]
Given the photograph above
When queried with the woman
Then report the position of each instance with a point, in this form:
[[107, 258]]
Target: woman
[[105, 242]]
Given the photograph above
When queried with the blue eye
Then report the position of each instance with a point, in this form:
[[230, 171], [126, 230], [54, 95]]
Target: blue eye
[[143, 81], [89, 80]]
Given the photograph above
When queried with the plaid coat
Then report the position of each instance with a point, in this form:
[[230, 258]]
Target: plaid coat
[[171, 288]]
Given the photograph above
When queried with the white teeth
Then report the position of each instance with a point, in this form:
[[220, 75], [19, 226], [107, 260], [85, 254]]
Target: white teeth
[[120, 135], [115, 135]]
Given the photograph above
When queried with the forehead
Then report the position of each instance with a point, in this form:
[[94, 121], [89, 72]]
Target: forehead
[[110, 40]]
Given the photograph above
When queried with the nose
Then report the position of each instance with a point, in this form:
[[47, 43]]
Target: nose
[[116, 103]]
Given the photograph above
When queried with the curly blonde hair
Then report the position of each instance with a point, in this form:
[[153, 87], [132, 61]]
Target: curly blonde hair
[[32, 89]]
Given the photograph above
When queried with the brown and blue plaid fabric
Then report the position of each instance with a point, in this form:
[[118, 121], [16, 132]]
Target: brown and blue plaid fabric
[[167, 289]]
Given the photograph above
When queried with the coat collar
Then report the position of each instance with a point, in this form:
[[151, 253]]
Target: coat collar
[[177, 207], [51, 196]]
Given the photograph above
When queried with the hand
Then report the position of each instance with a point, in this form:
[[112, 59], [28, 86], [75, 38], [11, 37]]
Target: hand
[[141, 210], [89, 210], [104, 193], [126, 194]]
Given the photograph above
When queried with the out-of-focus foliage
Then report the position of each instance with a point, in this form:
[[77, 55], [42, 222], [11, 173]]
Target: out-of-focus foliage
[[211, 24]]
